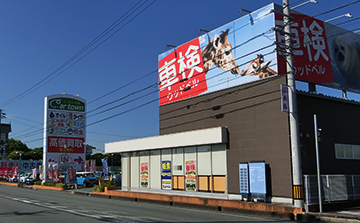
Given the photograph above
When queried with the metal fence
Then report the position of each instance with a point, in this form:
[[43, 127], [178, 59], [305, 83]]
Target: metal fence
[[333, 188]]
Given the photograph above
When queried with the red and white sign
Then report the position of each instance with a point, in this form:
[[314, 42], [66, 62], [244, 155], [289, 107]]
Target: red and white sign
[[311, 54], [182, 69], [73, 145]]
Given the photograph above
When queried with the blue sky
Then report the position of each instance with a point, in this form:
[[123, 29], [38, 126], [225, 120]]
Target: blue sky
[[38, 37]]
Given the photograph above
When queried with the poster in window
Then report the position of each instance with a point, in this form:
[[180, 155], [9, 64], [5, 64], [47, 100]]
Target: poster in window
[[144, 175], [166, 175], [190, 175]]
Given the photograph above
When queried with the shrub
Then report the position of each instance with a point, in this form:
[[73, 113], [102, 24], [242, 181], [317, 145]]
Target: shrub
[[99, 188], [49, 184], [107, 183], [61, 185], [37, 183]]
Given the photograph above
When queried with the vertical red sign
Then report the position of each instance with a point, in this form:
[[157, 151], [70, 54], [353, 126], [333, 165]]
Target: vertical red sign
[[311, 53], [181, 73]]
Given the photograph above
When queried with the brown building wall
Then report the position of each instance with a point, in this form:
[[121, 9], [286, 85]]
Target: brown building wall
[[258, 130], [339, 121]]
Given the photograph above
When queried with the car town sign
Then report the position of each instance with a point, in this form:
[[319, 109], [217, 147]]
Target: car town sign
[[66, 104]]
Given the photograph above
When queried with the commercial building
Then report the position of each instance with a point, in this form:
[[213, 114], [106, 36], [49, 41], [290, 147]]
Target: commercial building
[[231, 138]]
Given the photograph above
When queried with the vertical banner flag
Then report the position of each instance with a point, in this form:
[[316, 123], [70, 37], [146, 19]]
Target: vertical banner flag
[[41, 171], [105, 166], [34, 173], [50, 171], [15, 172], [93, 166], [86, 166]]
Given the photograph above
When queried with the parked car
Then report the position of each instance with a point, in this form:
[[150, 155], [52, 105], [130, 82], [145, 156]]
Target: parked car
[[85, 179], [24, 176]]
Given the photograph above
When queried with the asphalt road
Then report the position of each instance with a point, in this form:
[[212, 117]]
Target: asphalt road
[[28, 205]]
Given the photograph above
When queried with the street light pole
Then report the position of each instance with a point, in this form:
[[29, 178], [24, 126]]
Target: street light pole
[[318, 161], [112, 164]]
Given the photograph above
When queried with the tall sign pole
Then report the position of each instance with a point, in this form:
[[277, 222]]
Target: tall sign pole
[[298, 189]]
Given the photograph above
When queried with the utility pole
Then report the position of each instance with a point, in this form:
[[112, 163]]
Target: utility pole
[[298, 187], [2, 142]]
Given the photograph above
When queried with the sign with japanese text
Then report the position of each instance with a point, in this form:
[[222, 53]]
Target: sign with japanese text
[[73, 145], [144, 175], [166, 175], [311, 52], [64, 138], [323, 53], [190, 175], [284, 98], [186, 61], [257, 176], [219, 59], [243, 51], [21, 166]]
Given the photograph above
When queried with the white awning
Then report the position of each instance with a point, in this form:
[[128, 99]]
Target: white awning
[[208, 136]]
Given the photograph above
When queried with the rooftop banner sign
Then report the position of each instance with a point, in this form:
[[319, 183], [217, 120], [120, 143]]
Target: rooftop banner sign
[[311, 52], [221, 58], [323, 53]]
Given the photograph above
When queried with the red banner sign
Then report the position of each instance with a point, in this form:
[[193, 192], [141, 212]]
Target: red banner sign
[[73, 145], [311, 53], [181, 73]]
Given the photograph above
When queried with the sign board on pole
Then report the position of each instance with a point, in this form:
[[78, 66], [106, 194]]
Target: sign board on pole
[[284, 98], [64, 134]]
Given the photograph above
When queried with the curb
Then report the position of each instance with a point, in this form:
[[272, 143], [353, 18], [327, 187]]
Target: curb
[[288, 213]]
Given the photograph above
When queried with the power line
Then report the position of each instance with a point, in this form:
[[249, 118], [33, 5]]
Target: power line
[[71, 62], [157, 98], [117, 115]]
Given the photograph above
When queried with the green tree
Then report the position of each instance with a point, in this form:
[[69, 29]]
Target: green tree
[[33, 154], [16, 146]]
